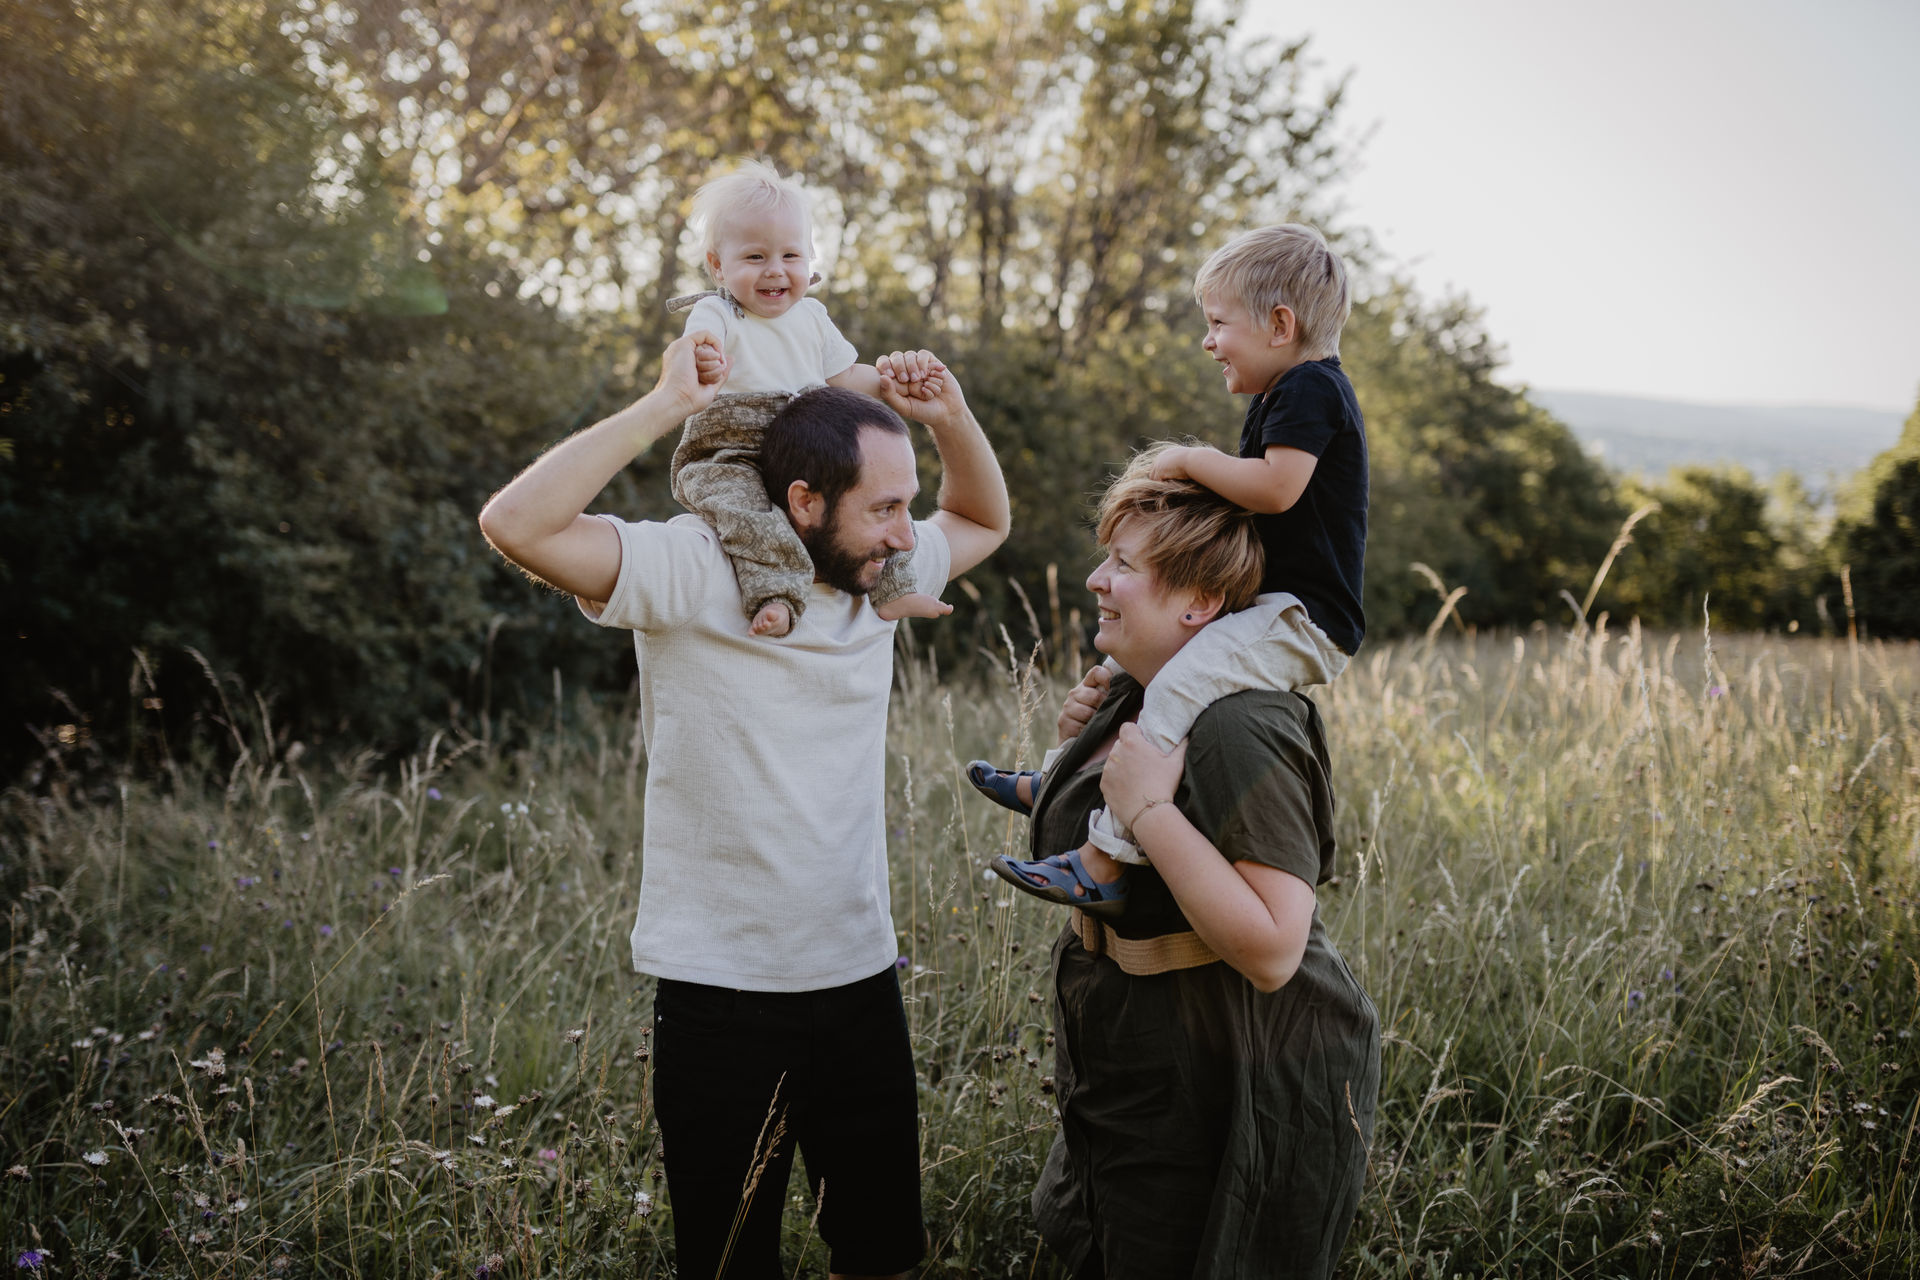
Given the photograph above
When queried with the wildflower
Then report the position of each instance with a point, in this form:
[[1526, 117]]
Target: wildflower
[[396, 871], [286, 924], [1666, 975], [19, 1171], [31, 1259], [576, 1035], [507, 808], [501, 1113], [901, 962], [477, 1139], [1718, 690], [213, 844], [1634, 998], [433, 793], [507, 1162], [238, 1207], [95, 1158], [492, 1265], [483, 1100], [642, 1204], [245, 882], [549, 1154], [326, 931]]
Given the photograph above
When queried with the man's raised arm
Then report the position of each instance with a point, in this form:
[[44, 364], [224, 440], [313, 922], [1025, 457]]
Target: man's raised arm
[[539, 520], [973, 494]]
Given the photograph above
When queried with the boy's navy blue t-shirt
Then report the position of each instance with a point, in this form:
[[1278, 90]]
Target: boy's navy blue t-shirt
[[1316, 548]]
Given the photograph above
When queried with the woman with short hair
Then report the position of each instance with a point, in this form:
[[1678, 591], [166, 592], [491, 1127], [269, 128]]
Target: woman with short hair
[[1217, 1062]]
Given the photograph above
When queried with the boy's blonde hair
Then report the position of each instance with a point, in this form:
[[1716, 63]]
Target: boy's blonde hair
[[749, 187], [1195, 539], [1292, 266]]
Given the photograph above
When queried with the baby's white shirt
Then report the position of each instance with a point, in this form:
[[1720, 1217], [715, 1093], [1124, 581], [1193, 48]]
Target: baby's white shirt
[[799, 349]]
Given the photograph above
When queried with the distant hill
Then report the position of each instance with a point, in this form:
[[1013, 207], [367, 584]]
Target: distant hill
[[1825, 444]]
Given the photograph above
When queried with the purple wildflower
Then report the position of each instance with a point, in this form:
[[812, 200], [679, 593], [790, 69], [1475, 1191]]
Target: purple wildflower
[[31, 1259], [213, 844], [548, 1153], [433, 793], [326, 931], [1718, 690], [1634, 998], [1666, 975], [901, 963], [246, 882], [396, 871]]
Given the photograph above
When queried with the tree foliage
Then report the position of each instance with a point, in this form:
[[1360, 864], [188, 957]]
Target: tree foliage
[[288, 288], [1878, 540]]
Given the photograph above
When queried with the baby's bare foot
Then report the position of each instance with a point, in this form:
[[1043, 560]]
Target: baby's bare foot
[[773, 619], [915, 604]]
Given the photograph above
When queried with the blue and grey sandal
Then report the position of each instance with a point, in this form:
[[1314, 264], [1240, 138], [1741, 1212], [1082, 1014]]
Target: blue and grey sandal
[[1063, 879], [1002, 786]]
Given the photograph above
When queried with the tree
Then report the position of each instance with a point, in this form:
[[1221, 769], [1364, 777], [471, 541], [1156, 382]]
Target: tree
[[1879, 538], [1713, 543]]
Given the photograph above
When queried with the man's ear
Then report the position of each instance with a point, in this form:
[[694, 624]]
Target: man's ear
[[806, 507], [1282, 328], [1202, 608]]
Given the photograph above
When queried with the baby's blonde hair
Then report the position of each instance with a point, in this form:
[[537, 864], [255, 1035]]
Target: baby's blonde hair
[[749, 187], [1292, 266], [1195, 540]]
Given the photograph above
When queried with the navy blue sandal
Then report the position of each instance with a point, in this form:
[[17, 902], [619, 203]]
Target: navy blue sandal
[[1002, 786], [1064, 879]]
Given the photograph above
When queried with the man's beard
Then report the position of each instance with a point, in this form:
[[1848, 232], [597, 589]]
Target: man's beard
[[836, 565]]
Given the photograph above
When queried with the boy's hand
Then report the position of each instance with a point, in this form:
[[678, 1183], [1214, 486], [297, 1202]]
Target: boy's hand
[[709, 361], [1172, 463], [1082, 701]]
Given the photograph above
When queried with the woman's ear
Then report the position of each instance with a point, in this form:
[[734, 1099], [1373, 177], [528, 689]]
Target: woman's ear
[[1203, 608], [1283, 327]]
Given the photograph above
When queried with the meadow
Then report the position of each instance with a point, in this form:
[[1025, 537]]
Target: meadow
[[1638, 912]]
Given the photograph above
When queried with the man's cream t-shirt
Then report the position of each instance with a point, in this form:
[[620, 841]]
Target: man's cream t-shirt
[[764, 850], [799, 349]]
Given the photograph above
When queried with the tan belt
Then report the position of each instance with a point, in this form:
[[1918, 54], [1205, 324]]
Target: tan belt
[[1142, 957]]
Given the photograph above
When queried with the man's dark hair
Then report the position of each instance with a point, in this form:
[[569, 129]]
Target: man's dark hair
[[816, 438]]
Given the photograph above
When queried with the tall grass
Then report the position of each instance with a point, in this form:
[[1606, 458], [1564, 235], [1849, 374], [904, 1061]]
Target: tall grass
[[1639, 917]]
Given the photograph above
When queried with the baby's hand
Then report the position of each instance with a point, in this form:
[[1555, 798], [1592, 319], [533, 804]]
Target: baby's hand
[[773, 619], [710, 362], [915, 604], [1172, 463], [917, 375]]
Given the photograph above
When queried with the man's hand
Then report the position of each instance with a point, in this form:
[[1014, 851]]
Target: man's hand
[[709, 360], [1082, 701], [682, 378], [914, 384]]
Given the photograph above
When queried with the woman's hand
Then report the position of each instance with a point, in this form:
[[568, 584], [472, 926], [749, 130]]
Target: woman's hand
[[1082, 701], [1137, 774]]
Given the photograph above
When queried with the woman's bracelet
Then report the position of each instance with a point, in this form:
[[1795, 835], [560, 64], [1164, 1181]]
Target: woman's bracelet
[[1142, 811]]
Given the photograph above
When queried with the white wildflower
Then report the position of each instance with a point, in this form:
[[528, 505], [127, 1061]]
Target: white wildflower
[[95, 1158]]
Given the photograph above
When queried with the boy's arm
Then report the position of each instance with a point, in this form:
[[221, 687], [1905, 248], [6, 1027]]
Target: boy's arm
[[539, 520], [1269, 484]]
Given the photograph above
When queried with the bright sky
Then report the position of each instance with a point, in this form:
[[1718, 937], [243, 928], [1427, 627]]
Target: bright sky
[[1711, 200]]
